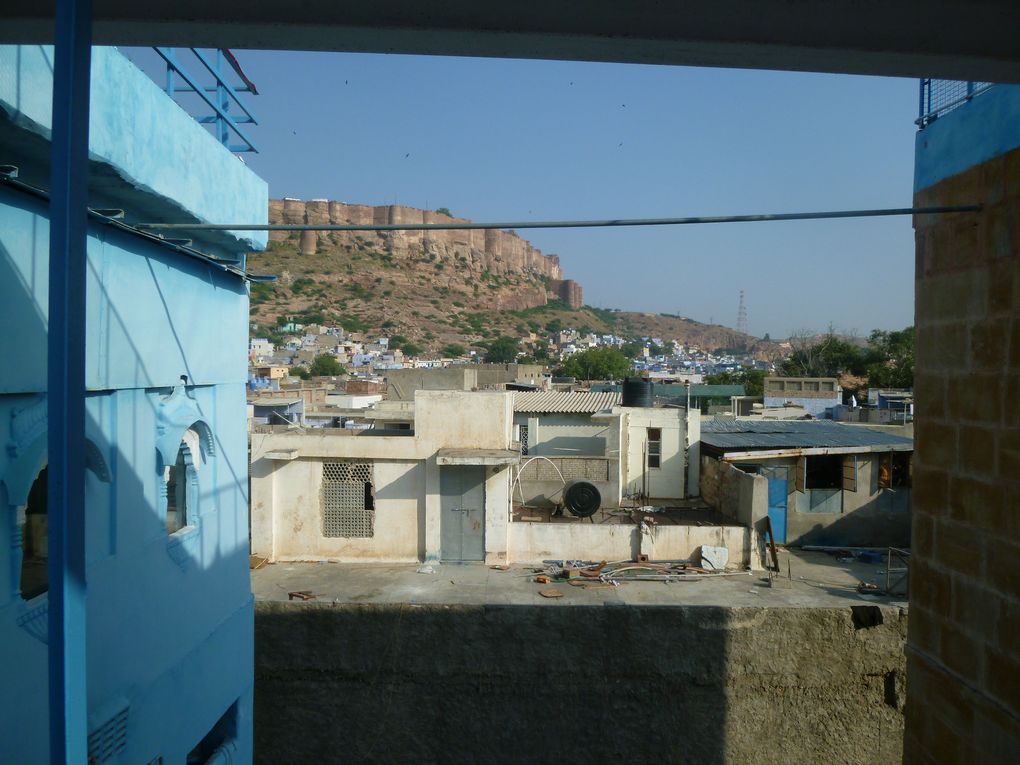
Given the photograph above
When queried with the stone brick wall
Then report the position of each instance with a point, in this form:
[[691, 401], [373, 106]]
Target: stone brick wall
[[569, 292], [499, 252], [964, 636]]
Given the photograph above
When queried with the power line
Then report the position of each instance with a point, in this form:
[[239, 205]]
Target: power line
[[767, 217]]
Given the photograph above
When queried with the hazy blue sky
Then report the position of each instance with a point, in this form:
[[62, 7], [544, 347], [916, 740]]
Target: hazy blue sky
[[512, 140]]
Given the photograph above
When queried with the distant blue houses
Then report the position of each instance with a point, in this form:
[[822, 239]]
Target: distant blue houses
[[169, 609]]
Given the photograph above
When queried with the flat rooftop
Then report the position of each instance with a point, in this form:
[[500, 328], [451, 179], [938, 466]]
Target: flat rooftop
[[819, 580]]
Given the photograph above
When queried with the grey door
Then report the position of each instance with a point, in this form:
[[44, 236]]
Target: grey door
[[462, 517]]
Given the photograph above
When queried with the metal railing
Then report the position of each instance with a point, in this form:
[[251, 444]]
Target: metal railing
[[937, 97], [216, 96]]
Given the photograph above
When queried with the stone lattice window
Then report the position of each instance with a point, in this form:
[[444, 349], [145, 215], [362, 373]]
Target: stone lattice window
[[347, 500]]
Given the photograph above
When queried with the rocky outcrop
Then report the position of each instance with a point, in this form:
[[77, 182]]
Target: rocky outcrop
[[503, 253]]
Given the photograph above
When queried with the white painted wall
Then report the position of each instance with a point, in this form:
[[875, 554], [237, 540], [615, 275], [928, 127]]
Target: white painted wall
[[668, 480], [286, 479]]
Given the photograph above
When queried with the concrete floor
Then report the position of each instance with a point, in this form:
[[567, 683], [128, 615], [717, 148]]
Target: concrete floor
[[818, 580]]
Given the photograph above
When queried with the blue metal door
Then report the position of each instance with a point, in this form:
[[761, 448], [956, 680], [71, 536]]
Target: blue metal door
[[777, 507]]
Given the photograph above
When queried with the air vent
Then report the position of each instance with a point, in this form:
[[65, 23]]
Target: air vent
[[109, 739]]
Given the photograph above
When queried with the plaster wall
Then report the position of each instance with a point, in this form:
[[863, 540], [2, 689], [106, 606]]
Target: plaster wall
[[730, 685], [668, 480], [138, 141], [168, 616], [565, 435], [286, 470]]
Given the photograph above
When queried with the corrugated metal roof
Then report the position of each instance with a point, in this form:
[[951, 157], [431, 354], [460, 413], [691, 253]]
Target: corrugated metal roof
[[549, 402], [792, 434]]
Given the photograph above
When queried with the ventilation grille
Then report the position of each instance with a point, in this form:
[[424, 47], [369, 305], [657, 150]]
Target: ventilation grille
[[109, 739], [571, 468], [348, 509]]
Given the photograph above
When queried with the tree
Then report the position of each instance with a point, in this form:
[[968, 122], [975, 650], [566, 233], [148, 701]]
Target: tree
[[502, 350], [554, 325], [655, 350], [753, 380], [445, 211], [830, 357], [596, 364], [891, 359], [410, 349], [325, 365], [632, 349], [453, 350], [301, 372]]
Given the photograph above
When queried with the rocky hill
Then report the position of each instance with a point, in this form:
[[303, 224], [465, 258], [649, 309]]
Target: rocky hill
[[435, 287]]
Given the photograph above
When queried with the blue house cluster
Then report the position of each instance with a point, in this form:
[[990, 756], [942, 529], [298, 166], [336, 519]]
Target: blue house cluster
[[169, 609]]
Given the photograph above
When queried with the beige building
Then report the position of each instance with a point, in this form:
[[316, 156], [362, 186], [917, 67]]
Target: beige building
[[437, 492]]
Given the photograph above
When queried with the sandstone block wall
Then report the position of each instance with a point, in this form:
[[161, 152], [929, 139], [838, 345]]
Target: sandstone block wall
[[964, 639], [500, 252], [569, 292]]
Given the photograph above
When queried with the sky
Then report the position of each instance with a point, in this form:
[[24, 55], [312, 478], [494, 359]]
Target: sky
[[498, 140]]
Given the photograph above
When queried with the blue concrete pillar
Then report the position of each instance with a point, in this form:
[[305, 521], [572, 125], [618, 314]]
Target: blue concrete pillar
[[66, 382]]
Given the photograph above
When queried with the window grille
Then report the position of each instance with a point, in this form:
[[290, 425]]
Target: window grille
[[654, 447], [347, 500], [524, 440]]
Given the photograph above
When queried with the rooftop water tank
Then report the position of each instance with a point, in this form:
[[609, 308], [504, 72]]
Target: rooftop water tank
[[637, 391]]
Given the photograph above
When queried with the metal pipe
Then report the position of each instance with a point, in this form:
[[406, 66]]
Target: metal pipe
[[767, 217], [68, 212]]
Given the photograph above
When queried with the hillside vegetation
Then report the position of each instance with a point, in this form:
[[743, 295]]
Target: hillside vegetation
[[434, 304]]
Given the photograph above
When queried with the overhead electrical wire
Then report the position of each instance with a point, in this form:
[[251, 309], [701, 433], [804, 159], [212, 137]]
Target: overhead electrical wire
[[453, 225]]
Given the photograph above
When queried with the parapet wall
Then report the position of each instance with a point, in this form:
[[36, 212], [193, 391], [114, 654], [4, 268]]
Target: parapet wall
[[499, 252], [548, 684]]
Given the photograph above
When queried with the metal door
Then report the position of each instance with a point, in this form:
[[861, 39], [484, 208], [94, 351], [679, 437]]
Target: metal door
[[462, 517], [779, 489]]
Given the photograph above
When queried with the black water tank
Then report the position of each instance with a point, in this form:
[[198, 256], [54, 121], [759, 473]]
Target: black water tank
[[637, 391], [581, 498]]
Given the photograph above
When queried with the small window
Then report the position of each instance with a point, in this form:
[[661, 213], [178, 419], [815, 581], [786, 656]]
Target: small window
[[850, 472], [811, 385], [347, 500], [177, 493], [654, 447], [524, 440], [35, 540], [824, 472], [894, 470]]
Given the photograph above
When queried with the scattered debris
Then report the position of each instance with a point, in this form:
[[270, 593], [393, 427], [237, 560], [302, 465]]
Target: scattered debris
[[552, 592], [426, 569], [542, 579], [500, 567], [255, 562], [301, 595]]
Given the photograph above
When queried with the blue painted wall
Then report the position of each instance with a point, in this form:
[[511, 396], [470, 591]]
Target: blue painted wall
[[140, 136], [169, 615], [986, 127]]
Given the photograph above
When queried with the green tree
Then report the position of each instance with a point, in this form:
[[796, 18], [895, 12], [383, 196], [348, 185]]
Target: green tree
[[301, 372], [554, 325], [891, 359], [502, 350], [410, 349], [830, 357], [325, 365], [445, 211], [632, 349], [753, 380], [596, 364], [453, 350]]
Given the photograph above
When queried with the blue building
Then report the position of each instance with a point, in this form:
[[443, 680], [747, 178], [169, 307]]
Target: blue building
[[169, 645]]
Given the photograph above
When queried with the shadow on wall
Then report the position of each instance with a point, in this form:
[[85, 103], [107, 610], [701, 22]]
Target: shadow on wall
[[168, 625], [522, 684], [884, 521]]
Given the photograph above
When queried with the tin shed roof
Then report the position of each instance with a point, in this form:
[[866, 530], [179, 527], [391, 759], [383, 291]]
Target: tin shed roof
[[794, 434]]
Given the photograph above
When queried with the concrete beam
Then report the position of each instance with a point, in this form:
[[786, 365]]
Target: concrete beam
[[942, 38]]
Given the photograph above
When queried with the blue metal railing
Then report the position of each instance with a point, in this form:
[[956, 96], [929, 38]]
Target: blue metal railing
[[937, 97], [217, 96]]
